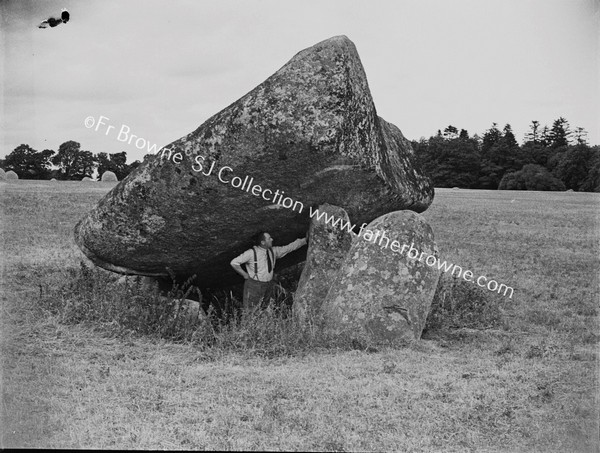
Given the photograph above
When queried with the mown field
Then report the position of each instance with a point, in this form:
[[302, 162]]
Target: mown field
[[530, 386]]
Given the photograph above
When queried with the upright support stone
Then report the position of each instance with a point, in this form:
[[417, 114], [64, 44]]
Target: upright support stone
[[327, 250], [385, 287]]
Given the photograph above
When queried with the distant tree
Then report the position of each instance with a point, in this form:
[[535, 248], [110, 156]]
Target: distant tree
[[534, 134], [530, 177], [535, 146], [450, 133], [490, 138], [559, 134], [555, 156], [512, 181], [29, 163], [535, 153], [66, 159], [574, 166], [545, 136], [580, 136], [451, 158], [509, 137], [73, 163], [591, 183], [87, 164], [500, 153], [103, 162], [119, 161], [449, 162], [115, 162], [43, 163]]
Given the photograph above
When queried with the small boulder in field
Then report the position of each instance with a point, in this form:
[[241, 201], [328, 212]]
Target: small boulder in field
[[384, 290], [11, 175], [87, 179], [190, 310], [109, 176], [2, 174]]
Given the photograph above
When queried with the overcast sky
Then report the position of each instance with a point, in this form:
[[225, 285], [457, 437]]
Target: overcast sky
[[162, 68]]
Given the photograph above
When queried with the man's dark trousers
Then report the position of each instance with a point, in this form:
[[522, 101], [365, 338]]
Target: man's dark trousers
[[255, 292]]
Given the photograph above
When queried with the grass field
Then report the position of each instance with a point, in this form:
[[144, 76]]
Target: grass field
[[532, 386]]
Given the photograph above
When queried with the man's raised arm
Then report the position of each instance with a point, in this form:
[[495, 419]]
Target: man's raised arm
[[282, 251]]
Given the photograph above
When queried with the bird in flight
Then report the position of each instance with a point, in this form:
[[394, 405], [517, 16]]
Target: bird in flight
[[54, 21]]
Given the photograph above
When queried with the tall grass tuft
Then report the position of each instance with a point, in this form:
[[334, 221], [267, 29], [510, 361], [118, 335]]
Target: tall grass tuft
[[92, 295], [459, 304]]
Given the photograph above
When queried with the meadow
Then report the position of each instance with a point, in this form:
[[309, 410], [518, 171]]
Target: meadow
[[528, 385]]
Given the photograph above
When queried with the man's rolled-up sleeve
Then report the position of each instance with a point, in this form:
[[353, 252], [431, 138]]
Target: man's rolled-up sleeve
[[243, 258], [284, 250]]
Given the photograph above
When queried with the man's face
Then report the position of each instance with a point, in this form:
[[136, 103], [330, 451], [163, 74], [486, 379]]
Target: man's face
[[267, 241]]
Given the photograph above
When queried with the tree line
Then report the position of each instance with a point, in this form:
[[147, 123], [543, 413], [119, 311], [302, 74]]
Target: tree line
[[70, 163], [554, 158], [550, 158]]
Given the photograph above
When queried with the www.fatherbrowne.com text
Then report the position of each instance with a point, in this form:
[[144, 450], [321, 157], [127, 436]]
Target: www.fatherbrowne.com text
[[279, 200], [277, 197]]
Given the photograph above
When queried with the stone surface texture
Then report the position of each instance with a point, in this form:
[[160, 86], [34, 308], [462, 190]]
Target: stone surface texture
[[381, 294], [310, 130], [327, 248]]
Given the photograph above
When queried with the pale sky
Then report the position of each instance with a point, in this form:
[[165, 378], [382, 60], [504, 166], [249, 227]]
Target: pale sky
[[164, 67]]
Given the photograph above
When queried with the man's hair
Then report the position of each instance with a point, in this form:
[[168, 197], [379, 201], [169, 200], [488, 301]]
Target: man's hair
[[258, 237]]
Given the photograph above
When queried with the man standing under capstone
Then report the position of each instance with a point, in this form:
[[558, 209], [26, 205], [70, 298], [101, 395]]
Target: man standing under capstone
[[260, 262]]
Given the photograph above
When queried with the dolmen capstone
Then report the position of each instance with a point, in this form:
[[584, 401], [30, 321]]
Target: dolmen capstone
[[384, 289], [327, 248], [307, 135]]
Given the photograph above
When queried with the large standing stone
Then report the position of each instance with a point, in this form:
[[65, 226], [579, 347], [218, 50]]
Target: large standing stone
[[381, 293], [329, 242], [2, 174], [11, 175], [310, 132]]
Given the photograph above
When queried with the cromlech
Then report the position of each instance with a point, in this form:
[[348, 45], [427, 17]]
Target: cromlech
[[310, 131]]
